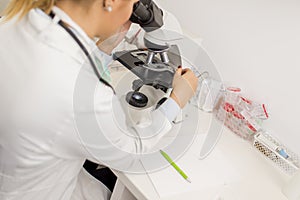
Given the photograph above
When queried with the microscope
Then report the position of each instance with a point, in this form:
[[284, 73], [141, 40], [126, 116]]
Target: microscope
[[156, 65]]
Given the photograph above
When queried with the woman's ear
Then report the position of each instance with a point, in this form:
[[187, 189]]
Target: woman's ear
[[108, 5]]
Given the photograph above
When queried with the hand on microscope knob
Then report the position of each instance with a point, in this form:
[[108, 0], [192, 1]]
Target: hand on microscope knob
[[184, 86]]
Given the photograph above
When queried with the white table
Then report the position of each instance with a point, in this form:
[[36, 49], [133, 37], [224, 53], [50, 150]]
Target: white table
[[258, 179]]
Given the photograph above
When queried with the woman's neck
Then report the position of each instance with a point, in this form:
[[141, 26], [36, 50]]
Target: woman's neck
[[80, 15]]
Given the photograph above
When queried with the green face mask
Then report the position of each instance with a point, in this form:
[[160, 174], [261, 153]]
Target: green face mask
[[103, 70]]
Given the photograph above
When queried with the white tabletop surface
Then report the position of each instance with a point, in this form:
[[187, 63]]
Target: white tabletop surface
[[256, 177]]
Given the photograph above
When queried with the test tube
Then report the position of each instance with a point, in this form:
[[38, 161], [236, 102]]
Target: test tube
[[259, 111], [197, 99], [232, 95], [208, 92], [282, 152], [244, 103], [251, 125], [229, 108], [237, 121]]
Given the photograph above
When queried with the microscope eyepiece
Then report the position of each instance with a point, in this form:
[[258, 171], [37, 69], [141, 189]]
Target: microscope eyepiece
[[142, 14], [147, 14]]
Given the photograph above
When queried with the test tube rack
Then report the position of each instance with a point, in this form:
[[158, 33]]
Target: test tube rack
[[236, 113], [244, 118], [281, 156], [235, 121]]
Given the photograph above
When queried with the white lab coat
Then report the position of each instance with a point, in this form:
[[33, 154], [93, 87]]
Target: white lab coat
[[42, 147]]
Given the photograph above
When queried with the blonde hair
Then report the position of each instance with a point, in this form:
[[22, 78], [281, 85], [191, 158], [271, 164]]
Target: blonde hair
[[22, 7]]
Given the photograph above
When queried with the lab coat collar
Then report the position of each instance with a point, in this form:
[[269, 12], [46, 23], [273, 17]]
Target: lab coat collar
[[93, 49], [47, 31]]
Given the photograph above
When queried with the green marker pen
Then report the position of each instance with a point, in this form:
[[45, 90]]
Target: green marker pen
[[167, 157]]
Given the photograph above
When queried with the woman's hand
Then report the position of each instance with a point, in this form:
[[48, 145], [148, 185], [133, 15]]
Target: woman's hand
[[185, 84], [107, 45]]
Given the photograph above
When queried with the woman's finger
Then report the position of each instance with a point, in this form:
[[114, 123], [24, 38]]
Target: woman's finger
[[179, 71]]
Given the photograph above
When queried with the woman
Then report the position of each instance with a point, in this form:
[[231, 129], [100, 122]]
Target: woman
[[48, 55]]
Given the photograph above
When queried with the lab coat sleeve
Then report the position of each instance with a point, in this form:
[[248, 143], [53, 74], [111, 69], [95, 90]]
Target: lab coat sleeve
[[170, 109], [108, 140]]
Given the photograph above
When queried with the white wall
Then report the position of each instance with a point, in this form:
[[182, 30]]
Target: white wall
[[255, 45], [3, 4]]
